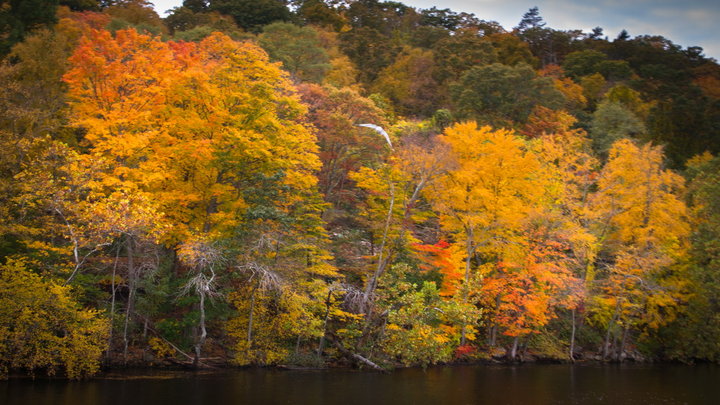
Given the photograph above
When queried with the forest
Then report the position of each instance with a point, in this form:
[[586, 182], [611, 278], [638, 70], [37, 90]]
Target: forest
[[349, 183]]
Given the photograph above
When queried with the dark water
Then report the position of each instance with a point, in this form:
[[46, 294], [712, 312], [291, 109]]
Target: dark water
[[527, 384]]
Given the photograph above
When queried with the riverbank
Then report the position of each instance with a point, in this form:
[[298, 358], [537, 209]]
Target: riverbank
[[493, 359]]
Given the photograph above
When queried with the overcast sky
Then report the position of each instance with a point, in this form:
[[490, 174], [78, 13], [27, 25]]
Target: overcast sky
[[686, 23]]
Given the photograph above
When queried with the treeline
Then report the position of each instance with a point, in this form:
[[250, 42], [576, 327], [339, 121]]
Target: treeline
[[173, 194]]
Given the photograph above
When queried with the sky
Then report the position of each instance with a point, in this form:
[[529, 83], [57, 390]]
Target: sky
[[685, 23]]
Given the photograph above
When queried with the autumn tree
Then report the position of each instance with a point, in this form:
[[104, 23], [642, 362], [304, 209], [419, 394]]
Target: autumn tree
[[269, 199], [486, 194], [393, 203], [44, 329], [217, 140], [342, 72], [422, 327], [139, 13], [409, 83], [511, 50], [344, 146], [32, 107], [643, 227], [570, 170], [524, 290]]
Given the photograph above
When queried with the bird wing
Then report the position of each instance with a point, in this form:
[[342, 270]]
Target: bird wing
[[379, 130]]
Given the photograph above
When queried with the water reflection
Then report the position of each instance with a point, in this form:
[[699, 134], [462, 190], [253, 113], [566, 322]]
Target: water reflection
[[527, 384]]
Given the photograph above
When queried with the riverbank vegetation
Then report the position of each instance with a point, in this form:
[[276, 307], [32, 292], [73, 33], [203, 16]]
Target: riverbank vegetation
[[203, 189]]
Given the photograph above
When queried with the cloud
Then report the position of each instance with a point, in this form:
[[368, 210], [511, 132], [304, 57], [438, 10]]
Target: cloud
[[161, 6]]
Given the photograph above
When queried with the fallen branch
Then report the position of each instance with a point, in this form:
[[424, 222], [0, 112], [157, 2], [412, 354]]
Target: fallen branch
[[356, 356], [177, 349]]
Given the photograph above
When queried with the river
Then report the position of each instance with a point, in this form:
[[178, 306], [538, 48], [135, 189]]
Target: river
[[525, 384]]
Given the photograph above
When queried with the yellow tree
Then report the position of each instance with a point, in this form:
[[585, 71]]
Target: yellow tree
[[43, 328], [394, 190], [243, 166], [394, 207], [213, 133], [409, 83], [644, 228], [487, 192], [570, 172], [201, 126]]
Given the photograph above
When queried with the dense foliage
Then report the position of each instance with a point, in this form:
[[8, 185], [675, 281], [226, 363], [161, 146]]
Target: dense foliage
[[205, 189]]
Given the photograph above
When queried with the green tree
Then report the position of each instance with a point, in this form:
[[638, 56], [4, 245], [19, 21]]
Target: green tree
[[456, 54], [694, 335], [298, 48], [369, 50], [81, 5], [18, 17], [503, 95], [251, 15], [531, 20], [183, 19], [611, 122], [320, 13], [547, 44], [196, 6], [583, 63]]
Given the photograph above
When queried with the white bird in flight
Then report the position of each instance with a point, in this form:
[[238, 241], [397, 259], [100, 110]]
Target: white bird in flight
[[380, 131]]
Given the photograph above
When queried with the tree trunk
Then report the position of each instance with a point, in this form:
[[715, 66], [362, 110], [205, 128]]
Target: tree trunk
[[513, 351], [250, 318], [203, 332], [621, 348], [614, 346], [112, 300], [572, 337], [606, 342], [321, 344], [469, 251], [356, 356], [382, 261], [131, 294]]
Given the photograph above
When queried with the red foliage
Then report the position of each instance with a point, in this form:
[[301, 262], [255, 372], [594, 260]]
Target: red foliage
[[439, 257], [464, 351]]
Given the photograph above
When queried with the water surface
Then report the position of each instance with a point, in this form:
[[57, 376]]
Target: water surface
[[525, 384]]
